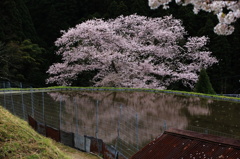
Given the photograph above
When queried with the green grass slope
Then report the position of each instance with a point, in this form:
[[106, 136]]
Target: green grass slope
[[19, 141]]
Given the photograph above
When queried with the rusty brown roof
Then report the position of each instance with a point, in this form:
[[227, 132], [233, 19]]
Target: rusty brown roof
[[183, 144]]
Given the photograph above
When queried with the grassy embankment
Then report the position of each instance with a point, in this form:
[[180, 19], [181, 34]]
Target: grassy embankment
[[63, 88], [181, 93], [18, 140]]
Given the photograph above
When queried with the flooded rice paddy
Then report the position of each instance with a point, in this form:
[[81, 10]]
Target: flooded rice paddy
[[125, 120]]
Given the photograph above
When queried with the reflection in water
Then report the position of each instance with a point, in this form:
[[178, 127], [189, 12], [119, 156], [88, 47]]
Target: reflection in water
[[126, 120], [142, 116]]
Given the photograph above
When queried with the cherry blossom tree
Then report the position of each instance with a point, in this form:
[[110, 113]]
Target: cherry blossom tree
[[224, 26], [132, 51]]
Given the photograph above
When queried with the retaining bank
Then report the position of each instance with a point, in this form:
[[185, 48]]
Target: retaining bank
[[47, 89]]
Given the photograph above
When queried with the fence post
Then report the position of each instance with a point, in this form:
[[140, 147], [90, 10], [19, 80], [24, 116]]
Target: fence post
[[12, 100], [9, 84], [164, 125], [43, 105], [4, 96], [77, 126], [76, 111], [118, 135], [96, 131], [137, 130], [206, 131], [23, 107], [60, 111], [97, 126], [32, 102]]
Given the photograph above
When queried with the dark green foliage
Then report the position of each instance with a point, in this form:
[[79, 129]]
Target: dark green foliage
[[52, 16], [22, 62], [122, 8], [33, 63], [41, 22], [203, 84], [113, 9], [15, 21]]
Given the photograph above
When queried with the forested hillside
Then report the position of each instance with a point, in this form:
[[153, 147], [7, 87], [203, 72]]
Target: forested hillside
[[28, 29]]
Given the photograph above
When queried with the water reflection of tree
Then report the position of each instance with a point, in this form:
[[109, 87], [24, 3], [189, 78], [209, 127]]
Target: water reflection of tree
[[224, 118], [143, 115]]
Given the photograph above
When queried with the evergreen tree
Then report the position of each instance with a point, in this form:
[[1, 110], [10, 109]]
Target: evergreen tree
[[203, 84], [15, 21], [139, 7], [113, 9], [52, 16], [122, 9], [22, 62]]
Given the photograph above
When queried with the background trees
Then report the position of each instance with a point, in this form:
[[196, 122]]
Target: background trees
[[41, 22], [15, 22], [203, 84], [132, 51], [22, 62]]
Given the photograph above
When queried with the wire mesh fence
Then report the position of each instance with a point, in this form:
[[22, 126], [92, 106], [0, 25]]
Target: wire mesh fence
[[211, 132], [121, 130], [13, 84], [89, 124]]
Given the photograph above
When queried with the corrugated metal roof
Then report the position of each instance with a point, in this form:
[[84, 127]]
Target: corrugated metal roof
[[182, 144]]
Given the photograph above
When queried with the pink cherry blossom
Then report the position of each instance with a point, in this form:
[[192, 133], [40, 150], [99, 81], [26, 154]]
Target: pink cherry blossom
[[132, 51], [224, 26]]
